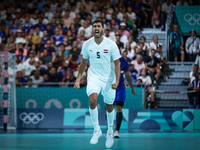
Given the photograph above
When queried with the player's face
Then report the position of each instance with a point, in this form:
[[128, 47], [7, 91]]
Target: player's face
[[97, 30]]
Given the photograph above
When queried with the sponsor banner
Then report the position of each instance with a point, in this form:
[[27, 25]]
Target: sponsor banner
[[80, 119], [160, 120], [68, 97], [40, 118], [188, 18]]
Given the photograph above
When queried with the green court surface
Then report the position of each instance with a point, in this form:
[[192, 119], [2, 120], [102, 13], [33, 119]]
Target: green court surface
[[79, 140]]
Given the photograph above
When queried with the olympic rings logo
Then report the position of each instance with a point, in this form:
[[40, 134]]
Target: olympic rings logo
[[31, 117], [192, 20]]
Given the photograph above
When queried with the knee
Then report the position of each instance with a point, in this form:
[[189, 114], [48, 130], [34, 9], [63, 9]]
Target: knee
[[182, 52], [109, 108], [158, 70], [118, 108], [92, 102]]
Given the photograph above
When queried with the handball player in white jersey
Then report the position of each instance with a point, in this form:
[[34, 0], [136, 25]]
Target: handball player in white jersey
[[103, 77]]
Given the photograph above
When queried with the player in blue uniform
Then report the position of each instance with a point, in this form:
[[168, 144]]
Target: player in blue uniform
[[121, 93]]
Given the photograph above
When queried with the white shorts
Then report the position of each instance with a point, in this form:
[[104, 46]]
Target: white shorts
[[95, 85]]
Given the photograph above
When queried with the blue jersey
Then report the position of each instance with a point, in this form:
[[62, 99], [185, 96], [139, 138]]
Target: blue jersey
[[121, 89], [58, 39], [124, 68]]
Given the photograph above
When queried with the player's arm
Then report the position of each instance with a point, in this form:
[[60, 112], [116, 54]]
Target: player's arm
[[128, 78], [80, 72], [117, 73]]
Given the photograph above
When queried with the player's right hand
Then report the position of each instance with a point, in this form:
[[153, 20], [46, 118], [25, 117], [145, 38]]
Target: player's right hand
[[77, 85]]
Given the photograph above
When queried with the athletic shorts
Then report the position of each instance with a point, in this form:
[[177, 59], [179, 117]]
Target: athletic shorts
[[95, 85], [120, 97], [176, 50]]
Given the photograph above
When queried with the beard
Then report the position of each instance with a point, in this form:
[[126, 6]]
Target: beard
[[100, 34]]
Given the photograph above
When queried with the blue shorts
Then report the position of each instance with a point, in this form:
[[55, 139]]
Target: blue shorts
[[176, 50], [120, 96]]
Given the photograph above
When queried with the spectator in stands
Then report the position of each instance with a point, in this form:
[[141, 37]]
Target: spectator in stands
[[28, 67], [56, 62], [95, 13], [130, 51], [40, 24], [58, 37], [49, 15], [163, 63], [154, 44], [143, 40], [10, 47], [21, 46], [176, 39], [152, 65], [181, 3], [131, 41], [132, 16], [120, 45], [46, 57], [123, 28], [20, 78], [124, 55], [67, 19], [147, 81], [155, 20], [195, 85], [192, 46], [54, 76], [147, 10], [51, 50], [74, 53], [138, 63], [87, 28], [134, 73], [138, 51], [69, 79], [140, 14], [19, 38], [166, 9], [195, 67], [46, 82], [63, 69], [20, 55], [36, 78], [49, 31], [30, 82]]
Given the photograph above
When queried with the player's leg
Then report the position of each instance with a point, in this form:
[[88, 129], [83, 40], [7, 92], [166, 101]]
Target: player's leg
[[119, 103], [93, 89], [119, 117], [109, 96]]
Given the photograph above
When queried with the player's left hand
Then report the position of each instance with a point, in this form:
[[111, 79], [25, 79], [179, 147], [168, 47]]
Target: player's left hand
[[114, 86], [133, 92]]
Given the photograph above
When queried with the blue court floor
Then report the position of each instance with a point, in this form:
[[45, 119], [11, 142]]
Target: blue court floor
[[79, 140]]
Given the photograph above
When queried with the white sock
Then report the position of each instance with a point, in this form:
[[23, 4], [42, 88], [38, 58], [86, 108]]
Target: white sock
[[94, 117], [110, 118]]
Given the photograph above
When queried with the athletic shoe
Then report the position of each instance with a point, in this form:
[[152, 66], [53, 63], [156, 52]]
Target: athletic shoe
[[197, 107], [191, 106], [116, 134], [109, 140], [96, 136]]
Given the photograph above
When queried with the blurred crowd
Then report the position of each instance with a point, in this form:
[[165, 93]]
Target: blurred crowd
[[47, 36]]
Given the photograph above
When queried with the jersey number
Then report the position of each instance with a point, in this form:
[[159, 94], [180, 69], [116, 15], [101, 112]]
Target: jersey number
[[98, 54]]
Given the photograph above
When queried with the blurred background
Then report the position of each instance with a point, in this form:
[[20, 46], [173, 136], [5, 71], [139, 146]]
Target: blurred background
[[40, 55]]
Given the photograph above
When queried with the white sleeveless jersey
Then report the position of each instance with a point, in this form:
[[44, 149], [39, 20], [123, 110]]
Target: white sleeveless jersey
[[101, 58]]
